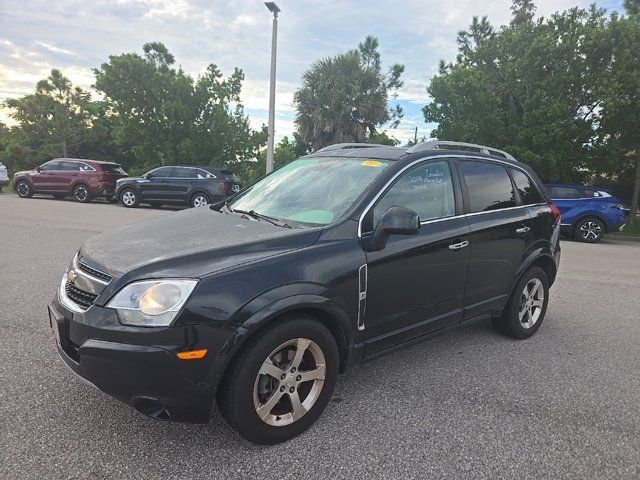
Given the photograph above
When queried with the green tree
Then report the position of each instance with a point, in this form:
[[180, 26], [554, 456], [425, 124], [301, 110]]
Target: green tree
[[527, 89], [161, 115], [522, 11], [344, 98], [55, 118], [619, 109]]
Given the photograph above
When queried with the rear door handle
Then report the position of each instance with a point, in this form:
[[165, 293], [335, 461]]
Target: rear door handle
[[522, 230], [458, 246]]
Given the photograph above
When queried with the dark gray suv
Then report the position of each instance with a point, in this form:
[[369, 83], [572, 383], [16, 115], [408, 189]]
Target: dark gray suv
[[178, 185]]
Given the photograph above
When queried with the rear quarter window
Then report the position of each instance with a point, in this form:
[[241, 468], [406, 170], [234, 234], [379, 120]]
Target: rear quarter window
[[529, 193]]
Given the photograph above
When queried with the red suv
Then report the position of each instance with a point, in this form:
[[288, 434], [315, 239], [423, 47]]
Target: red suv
[[61, 177]]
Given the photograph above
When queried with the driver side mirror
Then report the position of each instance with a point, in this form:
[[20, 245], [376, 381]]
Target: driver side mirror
[[147, 176], [38, 169], [397, 220]]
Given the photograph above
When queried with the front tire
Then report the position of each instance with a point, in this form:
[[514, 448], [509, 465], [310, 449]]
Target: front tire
[[523, 315], [23, 189], [81, 193], [281, 381], [129, 198], [589, 230]]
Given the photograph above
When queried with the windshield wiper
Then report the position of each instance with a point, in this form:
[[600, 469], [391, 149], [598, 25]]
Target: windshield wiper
[[260, 216]]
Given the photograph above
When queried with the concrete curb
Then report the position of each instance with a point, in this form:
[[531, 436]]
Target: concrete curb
[[623, 238]]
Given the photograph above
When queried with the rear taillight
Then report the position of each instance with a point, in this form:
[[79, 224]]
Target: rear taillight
[[226, 186], [556, 213]]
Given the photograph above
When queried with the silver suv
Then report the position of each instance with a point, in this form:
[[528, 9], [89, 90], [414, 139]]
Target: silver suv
[[4, 178]]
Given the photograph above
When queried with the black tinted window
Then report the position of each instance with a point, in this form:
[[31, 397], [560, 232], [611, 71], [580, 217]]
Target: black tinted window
[[426, 189], [73, 166], [51, 166], [161, 172], [488, 186], [183, 172], [563, 193], [529, 193]]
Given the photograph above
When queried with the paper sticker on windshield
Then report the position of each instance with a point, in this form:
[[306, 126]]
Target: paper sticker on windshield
[[371, 163]]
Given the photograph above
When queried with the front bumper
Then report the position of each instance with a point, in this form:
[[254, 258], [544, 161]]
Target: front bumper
[[149, 377]]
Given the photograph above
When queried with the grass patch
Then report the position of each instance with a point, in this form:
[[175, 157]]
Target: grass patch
[[631, 230]]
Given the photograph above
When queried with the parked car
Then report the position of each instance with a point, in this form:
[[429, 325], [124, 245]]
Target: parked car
[[178, 185], [61, 177], [345, 254], [4, 177], [587, 212]]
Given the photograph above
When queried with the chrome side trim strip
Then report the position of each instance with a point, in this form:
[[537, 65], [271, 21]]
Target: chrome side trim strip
[[363, 280]]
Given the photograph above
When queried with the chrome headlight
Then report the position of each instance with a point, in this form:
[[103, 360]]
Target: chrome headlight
[[151, 303]]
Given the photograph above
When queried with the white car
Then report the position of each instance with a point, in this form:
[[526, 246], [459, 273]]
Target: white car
[[4, 178]]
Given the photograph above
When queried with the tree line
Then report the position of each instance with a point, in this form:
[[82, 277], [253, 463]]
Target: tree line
[[560, 93]]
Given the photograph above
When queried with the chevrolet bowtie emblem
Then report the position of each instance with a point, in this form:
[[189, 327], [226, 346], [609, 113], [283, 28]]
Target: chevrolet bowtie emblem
[[71, 276]]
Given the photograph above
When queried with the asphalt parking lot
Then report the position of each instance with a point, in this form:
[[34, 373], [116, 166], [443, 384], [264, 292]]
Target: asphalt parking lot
[[468, 404]]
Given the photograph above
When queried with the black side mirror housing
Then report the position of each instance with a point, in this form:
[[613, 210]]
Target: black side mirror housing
[[397, 220], [38, 169]]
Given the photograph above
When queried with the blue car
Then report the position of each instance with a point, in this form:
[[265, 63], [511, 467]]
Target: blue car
[[587, 213]]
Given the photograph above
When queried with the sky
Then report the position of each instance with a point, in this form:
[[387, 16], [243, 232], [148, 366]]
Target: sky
[[78, 35]]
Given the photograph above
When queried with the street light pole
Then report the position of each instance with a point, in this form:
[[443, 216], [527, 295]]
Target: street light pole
[[273, 8]]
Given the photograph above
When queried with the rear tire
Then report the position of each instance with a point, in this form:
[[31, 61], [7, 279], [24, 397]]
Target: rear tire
[[526, 308], [264, 396], [81, 193], [129, 198], [589, 230], [23, 189]]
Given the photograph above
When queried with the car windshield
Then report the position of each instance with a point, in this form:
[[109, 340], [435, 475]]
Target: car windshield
[[315, 191]]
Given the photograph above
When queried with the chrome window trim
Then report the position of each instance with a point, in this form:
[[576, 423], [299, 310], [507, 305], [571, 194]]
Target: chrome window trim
[[438, 158]]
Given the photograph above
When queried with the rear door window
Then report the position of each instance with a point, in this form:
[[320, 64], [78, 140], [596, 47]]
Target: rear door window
[[563, 193], [488, 186], [183, 172], [528, 191], [71, 166]]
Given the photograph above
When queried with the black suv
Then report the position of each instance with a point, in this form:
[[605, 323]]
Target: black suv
[[194, 186], [260, 301]]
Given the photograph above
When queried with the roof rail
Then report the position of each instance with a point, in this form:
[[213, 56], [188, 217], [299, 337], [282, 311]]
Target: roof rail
[[343, 146], [447, 145]]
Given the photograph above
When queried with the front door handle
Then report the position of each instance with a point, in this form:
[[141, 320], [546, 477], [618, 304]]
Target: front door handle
[[459, 245], [522, 230]]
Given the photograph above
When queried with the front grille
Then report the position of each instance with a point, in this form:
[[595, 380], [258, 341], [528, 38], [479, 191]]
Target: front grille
[[82, 298], [93, 272]]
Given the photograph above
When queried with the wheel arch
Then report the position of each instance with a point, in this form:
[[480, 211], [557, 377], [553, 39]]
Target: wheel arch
[[590, 214], [318, 308], [200, 190]]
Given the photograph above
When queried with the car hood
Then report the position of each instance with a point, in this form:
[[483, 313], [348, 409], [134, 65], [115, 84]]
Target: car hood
[[191, 243]]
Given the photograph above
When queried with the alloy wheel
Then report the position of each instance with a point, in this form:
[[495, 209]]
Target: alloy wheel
[[200, 201], [289, 382], [531, 303], [128, 198], [590, 230], [81, 193], [23, 189]]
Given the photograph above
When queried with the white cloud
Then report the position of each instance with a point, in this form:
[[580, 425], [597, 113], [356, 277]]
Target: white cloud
[[54, 49], [76, 35]]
